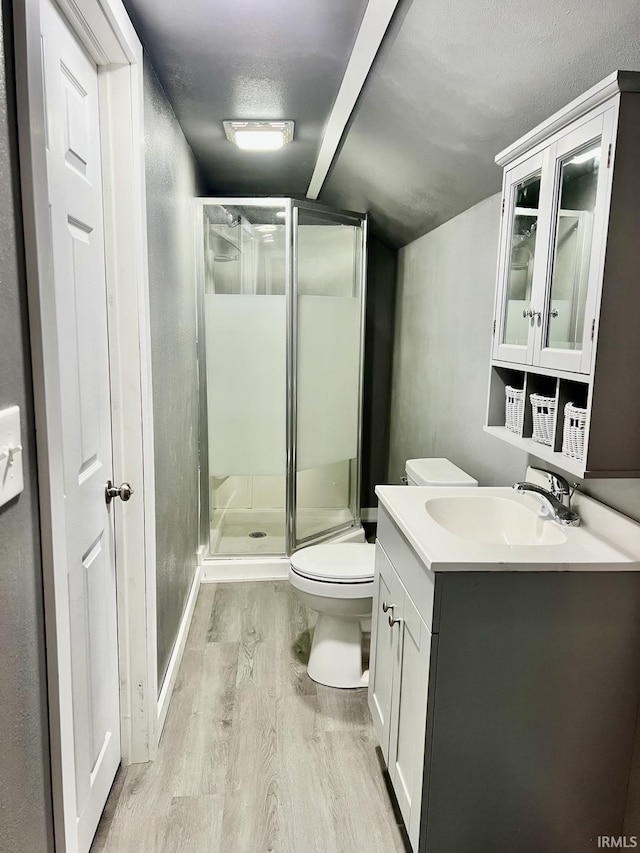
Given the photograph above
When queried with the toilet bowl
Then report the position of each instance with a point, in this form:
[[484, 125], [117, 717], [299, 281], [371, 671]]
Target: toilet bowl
[[337, 581]]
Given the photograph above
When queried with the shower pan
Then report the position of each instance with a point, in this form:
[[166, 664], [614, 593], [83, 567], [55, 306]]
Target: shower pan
[[281, 294]]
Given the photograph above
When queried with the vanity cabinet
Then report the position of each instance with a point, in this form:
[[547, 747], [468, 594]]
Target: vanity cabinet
[[504, 702], [567, 299]]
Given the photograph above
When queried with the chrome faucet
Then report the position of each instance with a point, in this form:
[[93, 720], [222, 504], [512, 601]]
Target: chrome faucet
[[558, 486], [558, 511]]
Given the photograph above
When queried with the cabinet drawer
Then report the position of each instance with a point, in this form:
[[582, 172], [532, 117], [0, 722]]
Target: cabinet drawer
[[418, 581]]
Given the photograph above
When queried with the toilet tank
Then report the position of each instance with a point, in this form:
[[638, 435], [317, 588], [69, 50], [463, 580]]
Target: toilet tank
[[436, 472]]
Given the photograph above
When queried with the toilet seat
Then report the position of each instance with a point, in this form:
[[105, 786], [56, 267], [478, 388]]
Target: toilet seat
[[336, 564], [331, 589]]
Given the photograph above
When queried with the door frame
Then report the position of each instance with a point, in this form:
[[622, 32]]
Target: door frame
[[106, 32]]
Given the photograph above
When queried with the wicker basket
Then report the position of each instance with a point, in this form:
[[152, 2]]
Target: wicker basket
[[543, 410], [575, 419], [514, 408]]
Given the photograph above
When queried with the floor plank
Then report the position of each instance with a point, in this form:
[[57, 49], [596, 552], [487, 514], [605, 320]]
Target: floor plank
[[190, 824], [255, 756], [197, 637]]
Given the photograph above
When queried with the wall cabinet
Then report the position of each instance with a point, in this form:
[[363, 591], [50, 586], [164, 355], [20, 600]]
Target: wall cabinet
[[567, 299], [504, 702]]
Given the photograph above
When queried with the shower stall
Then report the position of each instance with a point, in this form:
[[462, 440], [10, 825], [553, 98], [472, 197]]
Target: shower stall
[[282, 294]]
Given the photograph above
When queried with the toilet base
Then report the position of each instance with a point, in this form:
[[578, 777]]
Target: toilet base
[[336, 653]]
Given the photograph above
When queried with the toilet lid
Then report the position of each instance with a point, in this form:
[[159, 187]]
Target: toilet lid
[[345, 563], [437, 472]]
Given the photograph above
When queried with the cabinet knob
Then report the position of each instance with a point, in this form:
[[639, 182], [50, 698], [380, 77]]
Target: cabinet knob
[[554, 312], [393, 621], [386, 607], [527, 312]]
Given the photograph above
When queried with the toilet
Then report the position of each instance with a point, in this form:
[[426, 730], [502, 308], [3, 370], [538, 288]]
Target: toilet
[[336, 580]]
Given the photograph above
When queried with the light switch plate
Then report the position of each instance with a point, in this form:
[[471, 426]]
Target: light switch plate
[[11, 480]]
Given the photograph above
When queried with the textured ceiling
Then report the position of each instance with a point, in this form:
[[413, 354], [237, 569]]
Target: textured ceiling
[[250, 59], [454, 82]]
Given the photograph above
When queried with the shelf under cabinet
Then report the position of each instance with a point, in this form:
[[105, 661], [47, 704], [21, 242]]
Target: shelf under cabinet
[[571, 466], [542, 371], [542, 451]]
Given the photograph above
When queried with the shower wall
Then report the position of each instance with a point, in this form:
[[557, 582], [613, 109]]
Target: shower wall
[[172, 183]]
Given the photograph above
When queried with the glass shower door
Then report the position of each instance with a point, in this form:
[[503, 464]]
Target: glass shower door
[[326, 340], [245, 325]]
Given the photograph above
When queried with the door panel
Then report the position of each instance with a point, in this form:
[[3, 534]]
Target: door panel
[[410, 716], [328, 297], [75, 199], [381, 654], [581, 177], [522, 259]]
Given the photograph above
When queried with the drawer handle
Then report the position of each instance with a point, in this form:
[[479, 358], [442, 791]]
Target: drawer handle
[[393, 621], [386, 607]]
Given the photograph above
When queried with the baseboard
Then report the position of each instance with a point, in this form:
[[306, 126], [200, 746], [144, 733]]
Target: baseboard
[[176, 655], [232, 570], [369, 513]]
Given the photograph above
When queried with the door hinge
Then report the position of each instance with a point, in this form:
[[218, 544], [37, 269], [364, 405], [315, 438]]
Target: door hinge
[[502, 212], [494, 327], [609, 157], [593, 328]]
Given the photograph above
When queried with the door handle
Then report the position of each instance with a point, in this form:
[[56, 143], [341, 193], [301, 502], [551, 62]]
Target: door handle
[[123, 492]]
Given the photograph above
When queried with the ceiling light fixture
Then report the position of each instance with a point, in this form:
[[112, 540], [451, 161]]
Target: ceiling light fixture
[[259, 135]]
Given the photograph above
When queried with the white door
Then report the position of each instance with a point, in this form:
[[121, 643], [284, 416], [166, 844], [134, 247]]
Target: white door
[[87, 573], [522, 258], [381, 656], [409, 712], [580, 170]]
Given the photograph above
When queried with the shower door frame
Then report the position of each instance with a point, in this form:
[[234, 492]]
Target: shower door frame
[[291, 207]]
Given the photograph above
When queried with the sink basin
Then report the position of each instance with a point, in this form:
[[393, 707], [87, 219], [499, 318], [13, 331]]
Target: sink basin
[[491, 520]]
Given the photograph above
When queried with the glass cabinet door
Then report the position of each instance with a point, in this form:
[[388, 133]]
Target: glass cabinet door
[[520, 268], [580, 174]]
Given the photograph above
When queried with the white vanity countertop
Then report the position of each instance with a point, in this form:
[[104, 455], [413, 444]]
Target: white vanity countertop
[[605, 540]]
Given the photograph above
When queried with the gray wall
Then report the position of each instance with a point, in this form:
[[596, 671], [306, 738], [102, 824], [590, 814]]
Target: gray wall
[[25, 790], [378, 355], [444, 309], [172, 183], [444, 314]]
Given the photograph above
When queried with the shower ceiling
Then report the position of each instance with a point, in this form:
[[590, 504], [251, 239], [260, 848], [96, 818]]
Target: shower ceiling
[[454, 82]]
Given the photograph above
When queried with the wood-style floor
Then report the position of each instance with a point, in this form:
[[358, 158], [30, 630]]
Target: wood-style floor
[[255, 757]]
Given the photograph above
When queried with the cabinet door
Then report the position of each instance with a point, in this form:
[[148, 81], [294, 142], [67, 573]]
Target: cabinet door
[[409, 715], [580, 170], [382, 650], [522, 258]]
